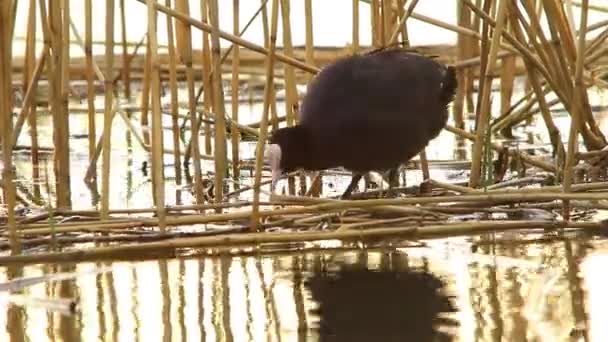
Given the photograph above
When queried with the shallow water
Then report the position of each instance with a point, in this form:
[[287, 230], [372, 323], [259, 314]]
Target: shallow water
[[508, 292], [503, 290]]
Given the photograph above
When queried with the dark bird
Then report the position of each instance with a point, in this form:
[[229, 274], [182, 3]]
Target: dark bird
[[368, 112]]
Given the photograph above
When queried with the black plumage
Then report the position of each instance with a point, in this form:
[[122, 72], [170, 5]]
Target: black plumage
[[367, 112]]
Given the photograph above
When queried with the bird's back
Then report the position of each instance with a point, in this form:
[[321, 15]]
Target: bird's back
[[367, 111]]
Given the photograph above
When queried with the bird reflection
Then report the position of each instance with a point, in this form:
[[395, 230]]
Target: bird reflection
[[359, 304]]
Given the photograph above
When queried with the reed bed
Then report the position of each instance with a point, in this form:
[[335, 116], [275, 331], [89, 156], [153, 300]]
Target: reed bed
[[498, 41]]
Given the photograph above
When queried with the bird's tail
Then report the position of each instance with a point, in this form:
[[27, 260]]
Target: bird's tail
[[448, 88]]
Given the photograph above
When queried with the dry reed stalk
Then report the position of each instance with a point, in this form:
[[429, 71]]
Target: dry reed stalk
[[507, 79], [290, 83], [326, 206], [184, 47], [158, 181], [254, 239], [219, 142], [108, 113], [206, 61], [577, 113], [374, 9], [234, 130], [88, 49], [6, 122], [291, 95], [385, 8], [125, 72], [58, 78], [355, 36], [145, 94], [593, 137], [31, 76], [234, 39], [173, 87], [402, 24], [552, 128], [316, 184], [463, 19], [483, 113], [268, 90]]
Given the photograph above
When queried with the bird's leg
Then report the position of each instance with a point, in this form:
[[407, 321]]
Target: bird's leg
[[353, 183], [393, 181]]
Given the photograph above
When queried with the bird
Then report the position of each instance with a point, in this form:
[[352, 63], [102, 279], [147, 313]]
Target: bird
[[365, 112]]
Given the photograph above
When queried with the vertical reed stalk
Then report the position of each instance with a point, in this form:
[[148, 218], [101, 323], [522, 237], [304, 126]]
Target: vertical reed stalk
[[126, 72], [316, 185], [553, 130], [108, 115], [218, 106], [208, 92], [145, 95], [184, 46], [273, 105], [484, 110], [375, 23], [507, 78], [174, 98], [158, 182], [59, 13], [464, 18], [88, 50], [235, 92], [310, 47], [30, 78], [385, 7], [6, 121], [355, 26], [268, 90], [291, 100], [577, 110]]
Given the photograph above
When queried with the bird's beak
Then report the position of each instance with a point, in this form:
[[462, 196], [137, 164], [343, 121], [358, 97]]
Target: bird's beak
[[272, 154]]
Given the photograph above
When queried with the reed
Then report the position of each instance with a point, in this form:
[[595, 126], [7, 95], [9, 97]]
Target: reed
[[219, 142], [184, 46], [174, 99], [483, 113], [578, 113], [208, 94], [125, 72], [355, 35], [158, 179], [234, 130], [6, 122], [268, 90], [88, 49], [249, 239], [145, 94], [108, 113]]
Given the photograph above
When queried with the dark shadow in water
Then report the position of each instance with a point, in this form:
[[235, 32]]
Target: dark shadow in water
[[359, 304]]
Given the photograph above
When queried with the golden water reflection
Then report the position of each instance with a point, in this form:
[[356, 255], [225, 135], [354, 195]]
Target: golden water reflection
[[529, 292]]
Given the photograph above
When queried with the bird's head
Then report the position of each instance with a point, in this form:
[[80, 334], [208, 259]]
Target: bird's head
[[286, 151], [272, 156]]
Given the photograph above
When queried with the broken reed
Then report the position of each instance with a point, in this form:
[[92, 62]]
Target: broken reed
[[513, 31]]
